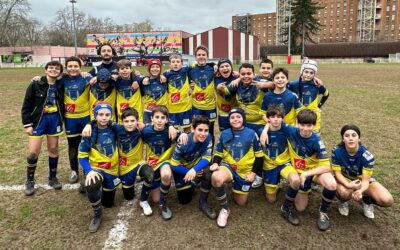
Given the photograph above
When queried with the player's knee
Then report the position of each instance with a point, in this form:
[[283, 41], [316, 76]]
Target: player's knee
[[300, 207], [94, 187], [271, 198], [241, 201], [185, 196], [216, 179], [386, 201], [129, 193], [330, 183], [207, 174], [107, 199], [53, 150], [147, 173], [166, 175], [294, 181], [32, 159]]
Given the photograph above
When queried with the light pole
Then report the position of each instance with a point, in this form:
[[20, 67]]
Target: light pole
[[73, 21], [289, 59]]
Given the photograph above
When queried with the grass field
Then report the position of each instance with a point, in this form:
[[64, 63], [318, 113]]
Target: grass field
[[365, 94]]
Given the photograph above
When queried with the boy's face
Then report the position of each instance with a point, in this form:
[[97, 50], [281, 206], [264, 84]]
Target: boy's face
[[201, 57], [104, 85], [103, 117], [106, 53], [266, 69], [129, 123], [155, 70], [175, 64], [280, 81], [351, 139], [159, 120], [246, 75], [308, 75], [73, 68], [225, 70], [124, 72], [200, 133], [236, 121], [53, 71], [305, 130], [275, 121]]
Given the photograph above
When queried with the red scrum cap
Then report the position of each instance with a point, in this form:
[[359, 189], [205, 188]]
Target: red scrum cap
[[153, 61]]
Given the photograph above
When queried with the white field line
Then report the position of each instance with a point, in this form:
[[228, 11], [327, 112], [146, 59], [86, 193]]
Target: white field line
[[43, 186]]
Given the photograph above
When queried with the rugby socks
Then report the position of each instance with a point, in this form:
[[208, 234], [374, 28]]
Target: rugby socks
[[204, 191], [289, 198], [146, 188], [164, 189], [30, 169], [220, 192], [53, 162], [327, 198], [95, 201], [369, 200], [73, 146]]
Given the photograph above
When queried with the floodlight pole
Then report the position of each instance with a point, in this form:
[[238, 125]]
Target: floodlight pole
[[73, 20], [289, 58]]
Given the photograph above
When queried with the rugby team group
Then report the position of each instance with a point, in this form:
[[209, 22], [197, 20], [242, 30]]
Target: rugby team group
[[122, 126]]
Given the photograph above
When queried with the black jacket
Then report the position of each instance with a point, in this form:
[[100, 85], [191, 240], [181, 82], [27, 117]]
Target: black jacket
[[35, 99]]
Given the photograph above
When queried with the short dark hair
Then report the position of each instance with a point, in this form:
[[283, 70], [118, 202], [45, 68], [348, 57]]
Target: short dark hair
[[201, 47], [73, 59], [246, 66], [54, 63], [274, 109], [266, 60], [123, 63], [114, 52], [129, 112], [200, 119], [280, 70], [160, 108], [307, 116]]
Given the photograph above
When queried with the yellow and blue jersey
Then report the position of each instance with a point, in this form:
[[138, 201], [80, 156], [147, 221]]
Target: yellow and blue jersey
[[192, 152], [287, 100], [154, 94], [353, 166], [159, 147], [76, 97], [97, 94], [111, 67], [50, 105], [179, 99], [203, 96], [276, 152], [249, 99], [130, 148], [305, 153], [239, 148], [224, 102], [127, 97], [101, 150]]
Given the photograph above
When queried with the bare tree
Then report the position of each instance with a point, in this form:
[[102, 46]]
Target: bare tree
[[12, 11]]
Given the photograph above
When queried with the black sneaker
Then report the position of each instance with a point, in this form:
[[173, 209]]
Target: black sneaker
[[95, 222], [29, 188], [323, 221], [289, 216], [82, 187], [208, 210], [166, 213], [54, 183]]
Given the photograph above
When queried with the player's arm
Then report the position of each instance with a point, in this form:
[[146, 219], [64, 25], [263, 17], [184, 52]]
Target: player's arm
[[368, 162], [27, 108], [176, 159], [217, 158], [258, 162], [325, 96], [264, 85], [204, 162]]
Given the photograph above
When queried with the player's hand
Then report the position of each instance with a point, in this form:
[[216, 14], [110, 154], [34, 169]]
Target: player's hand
[[221, 88], [192, 84], [172, 132], [93, 81], [85, 74], [28, 130], [183, 139], [318, 82], [91, 177], [355, 185], [87, 131], [264, 136], [235, 82], [190, 175], [140, 126], [114, 77], [146, 81], [235, 73], [250, 177], [136, 72], [214, 167], [215, 68], [135, 85], [35, 79], [163, 79], [303, 178], [357, 195]]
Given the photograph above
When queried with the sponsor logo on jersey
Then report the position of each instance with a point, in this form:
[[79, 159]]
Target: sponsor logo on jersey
[[70, 108]]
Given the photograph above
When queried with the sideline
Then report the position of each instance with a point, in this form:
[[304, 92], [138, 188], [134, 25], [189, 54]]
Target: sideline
[[42, 186]]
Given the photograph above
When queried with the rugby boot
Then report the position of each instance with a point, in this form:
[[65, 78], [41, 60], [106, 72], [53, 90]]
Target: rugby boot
[[54, 183], [208, 211], [289, 216], [96, 221], [29, 188]]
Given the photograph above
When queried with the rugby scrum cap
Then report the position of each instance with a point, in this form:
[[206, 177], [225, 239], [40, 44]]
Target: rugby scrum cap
[[101, 105], [239, 111], [350, 127], [103, 76], [153, 61], [309, 64], [224, 60]]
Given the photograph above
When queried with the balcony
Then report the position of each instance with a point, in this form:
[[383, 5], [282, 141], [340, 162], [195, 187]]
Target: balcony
[[378, 16]]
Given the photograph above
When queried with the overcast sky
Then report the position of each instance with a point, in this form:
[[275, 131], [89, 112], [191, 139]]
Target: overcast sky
[[187, 15]]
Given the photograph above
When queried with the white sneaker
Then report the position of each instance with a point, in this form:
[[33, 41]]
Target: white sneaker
[[343, 208], [146, 208], [222, 219], [368, 210], [73, 177], [258, 181]]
